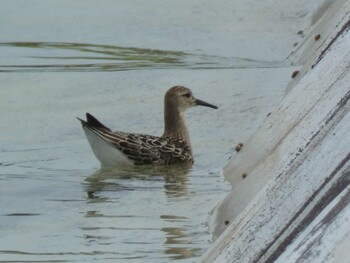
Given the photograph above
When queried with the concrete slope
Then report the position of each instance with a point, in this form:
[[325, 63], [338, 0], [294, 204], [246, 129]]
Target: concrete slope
[[293, 203]]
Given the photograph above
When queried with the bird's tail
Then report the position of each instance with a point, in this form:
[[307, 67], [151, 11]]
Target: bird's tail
[[91, 121]]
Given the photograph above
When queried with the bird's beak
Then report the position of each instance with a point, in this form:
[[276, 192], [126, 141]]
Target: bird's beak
[[203, 103]]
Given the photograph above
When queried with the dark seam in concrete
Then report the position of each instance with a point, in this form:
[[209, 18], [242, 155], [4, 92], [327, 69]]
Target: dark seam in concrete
[[324, 201], [337, 188], [345, 27], [301, 226]]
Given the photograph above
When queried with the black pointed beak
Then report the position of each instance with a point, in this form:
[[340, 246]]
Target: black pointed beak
[[206, 104]]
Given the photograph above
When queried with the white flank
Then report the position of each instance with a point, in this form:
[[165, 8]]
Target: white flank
[[108, 155]]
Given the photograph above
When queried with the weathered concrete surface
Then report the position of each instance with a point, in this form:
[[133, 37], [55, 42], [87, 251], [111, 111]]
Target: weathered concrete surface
[[293, 206]]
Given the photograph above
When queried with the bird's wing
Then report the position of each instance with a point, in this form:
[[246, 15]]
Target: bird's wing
[[140, 148], [175, 151]]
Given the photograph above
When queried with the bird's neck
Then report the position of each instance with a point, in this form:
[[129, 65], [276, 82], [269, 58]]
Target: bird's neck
[[175, 125]]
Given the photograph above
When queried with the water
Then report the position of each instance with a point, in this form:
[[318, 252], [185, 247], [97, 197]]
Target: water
[[116, 60]]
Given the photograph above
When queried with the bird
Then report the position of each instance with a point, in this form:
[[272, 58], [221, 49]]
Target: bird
[[119, 148]]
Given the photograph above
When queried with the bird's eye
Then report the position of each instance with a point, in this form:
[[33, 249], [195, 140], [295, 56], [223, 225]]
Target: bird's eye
[[187, 95]]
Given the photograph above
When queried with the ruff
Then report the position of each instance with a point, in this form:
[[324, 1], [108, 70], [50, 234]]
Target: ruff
[[121, 148]]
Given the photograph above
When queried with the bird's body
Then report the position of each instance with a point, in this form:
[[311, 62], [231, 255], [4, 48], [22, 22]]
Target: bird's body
[[125, 149]]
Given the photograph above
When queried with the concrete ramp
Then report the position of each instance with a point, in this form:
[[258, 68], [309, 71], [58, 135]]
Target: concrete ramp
[[291, 181]]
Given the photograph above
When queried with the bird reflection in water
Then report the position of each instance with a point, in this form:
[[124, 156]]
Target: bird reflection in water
[[178, 240], [172, 181], [175, 179]]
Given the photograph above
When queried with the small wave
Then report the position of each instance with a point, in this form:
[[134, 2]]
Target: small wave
[[82, 57]]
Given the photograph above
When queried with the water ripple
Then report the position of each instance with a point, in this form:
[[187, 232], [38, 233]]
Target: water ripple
[[82, 57]]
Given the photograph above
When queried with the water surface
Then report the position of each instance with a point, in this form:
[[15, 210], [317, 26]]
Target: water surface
[[56, 205]]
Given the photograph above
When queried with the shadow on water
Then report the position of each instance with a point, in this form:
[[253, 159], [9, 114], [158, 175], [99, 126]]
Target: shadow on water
[[80, 57]]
